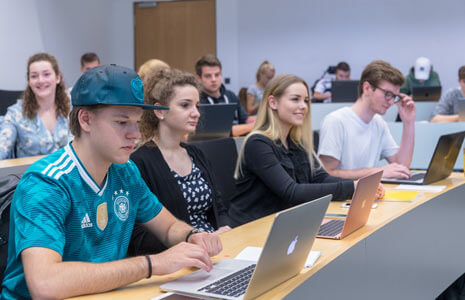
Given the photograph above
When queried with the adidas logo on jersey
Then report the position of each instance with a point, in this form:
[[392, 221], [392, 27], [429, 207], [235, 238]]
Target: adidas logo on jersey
[[86, 223]]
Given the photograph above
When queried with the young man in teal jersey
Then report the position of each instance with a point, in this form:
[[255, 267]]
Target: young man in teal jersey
[[73, 211]]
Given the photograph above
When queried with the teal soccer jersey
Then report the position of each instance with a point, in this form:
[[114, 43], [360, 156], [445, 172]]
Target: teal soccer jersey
[[57, 205]]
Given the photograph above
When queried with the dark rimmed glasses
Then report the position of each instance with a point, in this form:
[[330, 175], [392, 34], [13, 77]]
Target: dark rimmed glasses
[[388, 95]]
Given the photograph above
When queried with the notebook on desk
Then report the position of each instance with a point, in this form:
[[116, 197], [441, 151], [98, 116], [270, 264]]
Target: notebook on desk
[[283, 256], [215, 121], [344, 91], [359, 210], [426, 93], [441, 164]]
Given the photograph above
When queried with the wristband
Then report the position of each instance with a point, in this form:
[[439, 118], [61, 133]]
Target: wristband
[[150, 266], [194, 230]]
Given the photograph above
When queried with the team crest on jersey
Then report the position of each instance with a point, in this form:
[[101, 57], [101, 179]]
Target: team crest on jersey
[[121, 204], [102, 216]]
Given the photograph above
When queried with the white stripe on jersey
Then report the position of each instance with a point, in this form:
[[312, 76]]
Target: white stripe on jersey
[[60, 167], [81, 170], [70, 168], [55, 163]]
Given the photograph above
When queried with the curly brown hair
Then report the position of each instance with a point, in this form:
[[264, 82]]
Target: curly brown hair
[[30, 104], [160, 89]]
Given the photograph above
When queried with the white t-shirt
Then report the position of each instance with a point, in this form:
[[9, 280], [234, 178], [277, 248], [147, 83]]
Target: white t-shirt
[[356, 144]]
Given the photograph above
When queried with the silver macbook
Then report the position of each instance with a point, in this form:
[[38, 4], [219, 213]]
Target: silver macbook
[[441, 164], [284, 254]]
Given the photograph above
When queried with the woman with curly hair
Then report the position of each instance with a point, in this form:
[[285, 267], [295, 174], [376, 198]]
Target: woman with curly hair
[[38, 123]]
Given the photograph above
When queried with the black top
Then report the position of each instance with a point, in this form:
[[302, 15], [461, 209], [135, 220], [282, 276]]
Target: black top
[[157, 175], [275, 178], [226, 96]]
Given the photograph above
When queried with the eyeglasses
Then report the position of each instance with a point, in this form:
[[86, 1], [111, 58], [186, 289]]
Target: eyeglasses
[[388, 95]]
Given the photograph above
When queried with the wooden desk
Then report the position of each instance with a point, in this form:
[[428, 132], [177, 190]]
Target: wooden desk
[[17, 165], [389, 258]]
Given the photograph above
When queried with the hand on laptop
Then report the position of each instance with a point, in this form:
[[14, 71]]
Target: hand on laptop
[[208, 241], [406, 108], [180, 256], [395, 170], [380, 191]]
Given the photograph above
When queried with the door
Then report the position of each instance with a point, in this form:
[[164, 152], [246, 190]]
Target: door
[[177, 32]]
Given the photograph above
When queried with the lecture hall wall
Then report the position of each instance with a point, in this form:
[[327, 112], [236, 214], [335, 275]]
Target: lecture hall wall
[[298, 36]]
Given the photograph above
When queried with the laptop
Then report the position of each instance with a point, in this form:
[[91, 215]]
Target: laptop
[[426, 93], [359, 210], [283, 256], [215, 121], [461, 105], [344, 91], [441, 164]]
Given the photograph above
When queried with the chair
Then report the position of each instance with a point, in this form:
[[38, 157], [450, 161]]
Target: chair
[[8, 98], [243, 98], [222, 154], [8, 185]]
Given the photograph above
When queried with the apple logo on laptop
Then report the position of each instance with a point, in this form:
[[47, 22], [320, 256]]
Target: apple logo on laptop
[[292, 245]]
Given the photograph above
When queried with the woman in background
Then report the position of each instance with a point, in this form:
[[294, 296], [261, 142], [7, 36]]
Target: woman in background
[[264, 74], [178, 174], [37, 124]]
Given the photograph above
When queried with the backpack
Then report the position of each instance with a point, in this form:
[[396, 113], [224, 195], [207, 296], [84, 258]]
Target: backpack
[[8, 185]]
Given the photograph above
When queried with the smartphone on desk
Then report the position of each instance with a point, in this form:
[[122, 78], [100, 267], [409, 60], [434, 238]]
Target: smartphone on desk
[[347, 204]]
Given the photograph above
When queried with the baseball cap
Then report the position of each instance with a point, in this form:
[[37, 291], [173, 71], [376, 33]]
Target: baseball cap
[[110, 85], [422, 68]]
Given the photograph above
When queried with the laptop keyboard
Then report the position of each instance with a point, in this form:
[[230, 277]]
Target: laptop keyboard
[[232, 285], [332, 228], [416, 176]]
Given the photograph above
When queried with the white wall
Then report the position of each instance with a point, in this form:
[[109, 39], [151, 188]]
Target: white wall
[[66, 29], [298, 36], [20, 37], [304, 37]]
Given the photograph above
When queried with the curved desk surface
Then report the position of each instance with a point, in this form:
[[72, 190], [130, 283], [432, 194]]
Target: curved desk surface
[[407, 250]]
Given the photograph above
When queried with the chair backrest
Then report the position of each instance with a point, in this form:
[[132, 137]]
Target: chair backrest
[[8, 185], [222, 154], [8, 98], [243, 98]]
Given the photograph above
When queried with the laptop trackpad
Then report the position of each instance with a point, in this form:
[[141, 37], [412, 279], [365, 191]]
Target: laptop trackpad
[[201, 277]]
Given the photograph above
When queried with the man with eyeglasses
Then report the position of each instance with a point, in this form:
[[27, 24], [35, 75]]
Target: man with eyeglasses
[[354, 139]]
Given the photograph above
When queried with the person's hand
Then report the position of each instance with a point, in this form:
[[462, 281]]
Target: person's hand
[[223, 229], [396, 170], [251, 119], [407, 109], [180, 256], [380, 191], [208, 241]]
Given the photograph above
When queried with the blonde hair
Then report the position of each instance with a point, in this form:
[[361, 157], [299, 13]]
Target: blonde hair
[[264, 67], [269, 124], [150, 68]]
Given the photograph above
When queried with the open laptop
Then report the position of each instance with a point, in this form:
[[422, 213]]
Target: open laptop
[[461, 105], [344, 91], [426, 93], [441, 164], [359, 210], [283, 256], [215, 121]]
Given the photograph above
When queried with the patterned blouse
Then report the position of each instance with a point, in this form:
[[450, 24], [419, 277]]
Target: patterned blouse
[[20, 136], [197, 193]]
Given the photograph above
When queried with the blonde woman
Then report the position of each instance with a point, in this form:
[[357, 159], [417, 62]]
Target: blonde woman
[[264, 74], [277, 167]]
